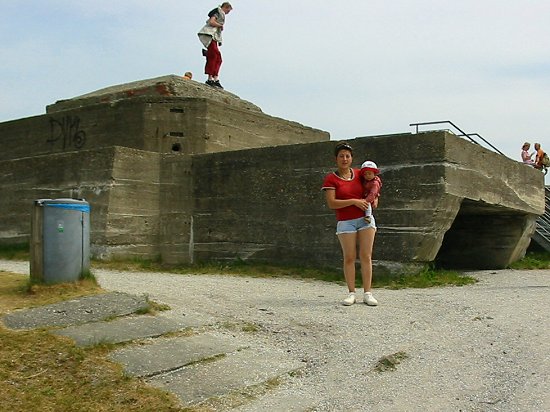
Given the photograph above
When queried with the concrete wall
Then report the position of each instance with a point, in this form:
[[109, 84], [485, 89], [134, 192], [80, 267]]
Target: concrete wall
[[278, 211], [176, 209], [443, 199], [164, 125], [176, 169], [83, 174]]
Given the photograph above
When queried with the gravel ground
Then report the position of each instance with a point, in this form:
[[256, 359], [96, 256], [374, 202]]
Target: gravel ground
[[483, 347]]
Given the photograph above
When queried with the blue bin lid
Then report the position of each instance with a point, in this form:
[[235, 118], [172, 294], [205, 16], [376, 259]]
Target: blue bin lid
[[72, 204]]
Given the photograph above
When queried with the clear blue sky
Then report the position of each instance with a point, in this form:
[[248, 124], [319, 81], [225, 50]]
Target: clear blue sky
[[353, 68]]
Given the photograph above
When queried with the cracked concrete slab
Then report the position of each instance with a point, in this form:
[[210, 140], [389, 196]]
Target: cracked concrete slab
[[198, 382], [77, 311], [164, 355], [126, 329]]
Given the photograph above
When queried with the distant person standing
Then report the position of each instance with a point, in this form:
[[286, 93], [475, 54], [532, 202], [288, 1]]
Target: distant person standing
[[526, 157], [211, 37], [539, 157]]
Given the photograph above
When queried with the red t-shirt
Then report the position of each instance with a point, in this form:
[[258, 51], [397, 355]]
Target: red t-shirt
[[345, 189]]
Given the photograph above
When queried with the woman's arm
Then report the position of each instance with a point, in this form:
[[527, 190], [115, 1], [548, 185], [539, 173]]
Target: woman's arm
[[333, 203]]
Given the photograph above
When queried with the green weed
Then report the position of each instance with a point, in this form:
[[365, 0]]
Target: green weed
[[19, 251], [533, 260], [426, 278]]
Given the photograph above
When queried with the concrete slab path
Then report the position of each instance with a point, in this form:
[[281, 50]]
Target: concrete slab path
[[167, 354], [124, 329], [76, 311]]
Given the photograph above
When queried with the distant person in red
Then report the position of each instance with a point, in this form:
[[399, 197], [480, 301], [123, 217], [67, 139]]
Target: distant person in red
[[371, 185], [211, 37]]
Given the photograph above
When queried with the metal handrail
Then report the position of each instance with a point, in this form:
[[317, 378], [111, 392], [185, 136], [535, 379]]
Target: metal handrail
[[462, 133], [542, 231], [482, 138]]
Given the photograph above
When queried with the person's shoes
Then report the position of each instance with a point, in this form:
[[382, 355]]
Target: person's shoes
[[218, 84], [211, 83], [369, 299], [350, 300], [367, 219], [204, 52]]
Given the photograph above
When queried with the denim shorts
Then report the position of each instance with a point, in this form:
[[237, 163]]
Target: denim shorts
[[354, 225]]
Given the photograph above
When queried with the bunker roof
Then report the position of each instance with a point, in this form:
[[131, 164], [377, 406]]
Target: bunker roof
[[170, 86]]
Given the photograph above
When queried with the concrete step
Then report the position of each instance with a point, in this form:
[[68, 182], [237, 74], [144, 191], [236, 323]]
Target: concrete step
[[77, 311], [167, 354], [201, 381], [128, 328]]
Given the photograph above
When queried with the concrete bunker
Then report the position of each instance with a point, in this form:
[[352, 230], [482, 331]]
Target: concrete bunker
[[164, 160], [482, 236]]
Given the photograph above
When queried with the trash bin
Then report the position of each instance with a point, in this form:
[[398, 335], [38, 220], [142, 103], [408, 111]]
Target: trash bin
[[60, 240]]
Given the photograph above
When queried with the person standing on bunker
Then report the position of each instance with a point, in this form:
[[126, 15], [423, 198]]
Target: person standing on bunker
[[344, 194], [211, 38]]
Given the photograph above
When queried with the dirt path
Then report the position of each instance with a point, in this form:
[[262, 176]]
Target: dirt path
[[483, 347]]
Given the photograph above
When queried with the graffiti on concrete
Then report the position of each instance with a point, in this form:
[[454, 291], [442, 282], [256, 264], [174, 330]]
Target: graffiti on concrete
[[67, 132]]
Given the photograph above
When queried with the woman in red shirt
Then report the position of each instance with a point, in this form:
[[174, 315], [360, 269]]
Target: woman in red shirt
[[344, 194]]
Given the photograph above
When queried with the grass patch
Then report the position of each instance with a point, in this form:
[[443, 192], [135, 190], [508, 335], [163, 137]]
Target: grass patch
[[389, 362], [237, 267], [38, 369], [240, 326], [533, 260], [130, 264], [426, 278], [152, 307], [19, 251], [17, 291]]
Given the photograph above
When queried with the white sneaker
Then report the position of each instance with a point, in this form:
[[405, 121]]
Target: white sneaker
[[369, 299], [350, 300]]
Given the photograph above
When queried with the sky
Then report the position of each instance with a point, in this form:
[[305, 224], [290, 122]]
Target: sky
[[352, 68]]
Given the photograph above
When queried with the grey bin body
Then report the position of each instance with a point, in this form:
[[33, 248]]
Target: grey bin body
[[60, 240]]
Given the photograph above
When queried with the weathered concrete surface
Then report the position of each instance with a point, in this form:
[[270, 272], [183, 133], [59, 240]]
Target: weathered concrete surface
[[429, 179], [126, 329], [443, 199], [77, 311], [165, 115], [197, 383], [164, 86], [168, 354], [174, 169]]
